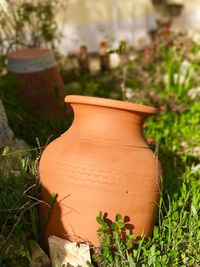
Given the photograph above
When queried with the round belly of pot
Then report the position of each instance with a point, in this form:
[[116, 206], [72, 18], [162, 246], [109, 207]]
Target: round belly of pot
[[100, 164]]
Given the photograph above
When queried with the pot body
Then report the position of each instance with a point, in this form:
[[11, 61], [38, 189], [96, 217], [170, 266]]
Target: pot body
[[100, 164], [41, 84]]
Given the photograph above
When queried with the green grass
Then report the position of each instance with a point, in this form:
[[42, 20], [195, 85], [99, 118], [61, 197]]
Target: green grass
[[176, 237], [175, 240]]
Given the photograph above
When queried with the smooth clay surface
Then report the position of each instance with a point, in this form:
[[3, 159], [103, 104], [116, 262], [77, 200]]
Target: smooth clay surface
[[101, 163]]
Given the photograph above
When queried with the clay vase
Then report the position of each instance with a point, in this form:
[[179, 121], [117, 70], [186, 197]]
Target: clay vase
[[101, 163], [41, 84]]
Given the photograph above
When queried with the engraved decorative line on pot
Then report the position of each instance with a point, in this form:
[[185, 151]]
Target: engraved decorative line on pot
[[85, 174], [92, 182]]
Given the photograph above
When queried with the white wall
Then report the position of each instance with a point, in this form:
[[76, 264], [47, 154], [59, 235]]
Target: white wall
[[91, 21]]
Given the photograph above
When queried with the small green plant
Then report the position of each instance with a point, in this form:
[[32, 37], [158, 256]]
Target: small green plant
[[175, 239], [118, 245]]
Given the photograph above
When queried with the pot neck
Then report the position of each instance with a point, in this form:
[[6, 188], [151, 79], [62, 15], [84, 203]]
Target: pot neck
[[106, 124]]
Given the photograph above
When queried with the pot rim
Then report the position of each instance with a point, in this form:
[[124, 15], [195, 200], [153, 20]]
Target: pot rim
[[29, 53], [30, 60], [111, 103]]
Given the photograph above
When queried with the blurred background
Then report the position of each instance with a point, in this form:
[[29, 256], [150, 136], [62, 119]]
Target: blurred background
[[88, 22], [141, 51]]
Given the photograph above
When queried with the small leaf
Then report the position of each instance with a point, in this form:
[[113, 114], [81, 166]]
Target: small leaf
[[131, 237], [104, 226], [129, 245], [100, 220], [114, 226], [155, 232], [118, 217], [120, 225]]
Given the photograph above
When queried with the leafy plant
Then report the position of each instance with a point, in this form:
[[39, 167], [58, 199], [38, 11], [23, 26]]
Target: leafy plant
[[175, 240], [119, 246]]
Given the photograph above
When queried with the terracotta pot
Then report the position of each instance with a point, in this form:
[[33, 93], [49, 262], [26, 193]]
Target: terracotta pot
[[41, 83], [101, 163]]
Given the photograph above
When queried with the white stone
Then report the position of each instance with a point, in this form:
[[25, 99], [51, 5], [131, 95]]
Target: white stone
[[6, 134], [69, 253]]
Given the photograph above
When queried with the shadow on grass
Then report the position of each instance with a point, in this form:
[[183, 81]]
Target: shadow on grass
[[50, 218]]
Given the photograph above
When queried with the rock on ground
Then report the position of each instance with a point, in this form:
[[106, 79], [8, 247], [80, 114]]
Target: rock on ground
[[69, 253], [12, 150], [6, 134]]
